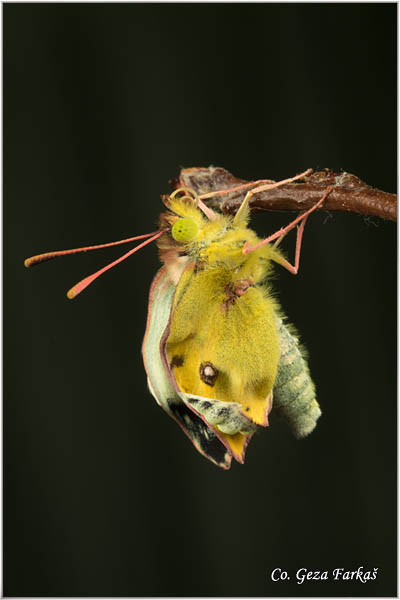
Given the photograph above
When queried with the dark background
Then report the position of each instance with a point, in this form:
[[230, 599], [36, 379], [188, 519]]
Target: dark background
[[103, 104]]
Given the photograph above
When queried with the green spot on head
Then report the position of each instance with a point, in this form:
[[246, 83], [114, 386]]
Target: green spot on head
[[184, 230]]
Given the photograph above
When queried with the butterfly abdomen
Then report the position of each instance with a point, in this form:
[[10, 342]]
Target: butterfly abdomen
[[294, 391]]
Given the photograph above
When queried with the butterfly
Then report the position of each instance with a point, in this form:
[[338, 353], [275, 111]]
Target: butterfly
[[218, 351]]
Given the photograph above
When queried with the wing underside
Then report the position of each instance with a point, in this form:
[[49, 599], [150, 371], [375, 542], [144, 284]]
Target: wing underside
[[159, 380]]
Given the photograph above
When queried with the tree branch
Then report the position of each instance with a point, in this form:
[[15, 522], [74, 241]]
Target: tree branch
[[349, 193]]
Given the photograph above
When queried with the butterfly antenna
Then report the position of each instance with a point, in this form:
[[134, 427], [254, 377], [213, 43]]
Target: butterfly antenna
[[35, 260], [190, 194], [84, 283]]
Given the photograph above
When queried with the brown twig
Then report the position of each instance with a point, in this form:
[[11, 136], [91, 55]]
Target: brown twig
[[349, 193]]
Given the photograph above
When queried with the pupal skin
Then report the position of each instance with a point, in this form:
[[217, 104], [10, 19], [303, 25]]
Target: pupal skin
[[221, 347]]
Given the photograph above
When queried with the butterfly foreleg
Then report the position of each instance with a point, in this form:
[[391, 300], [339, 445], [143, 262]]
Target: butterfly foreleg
[[298, 222], [282, 261], [244, 207]]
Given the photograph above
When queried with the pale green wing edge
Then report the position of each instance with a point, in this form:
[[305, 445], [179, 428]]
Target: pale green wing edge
[[203, 438]]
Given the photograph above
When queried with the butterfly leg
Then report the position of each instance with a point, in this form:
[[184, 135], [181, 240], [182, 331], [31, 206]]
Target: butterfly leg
[[236, 188], [243, 208], [285, 263], [300, 222]]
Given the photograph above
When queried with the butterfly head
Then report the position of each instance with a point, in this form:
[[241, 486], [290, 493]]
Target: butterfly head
[[200, 234]]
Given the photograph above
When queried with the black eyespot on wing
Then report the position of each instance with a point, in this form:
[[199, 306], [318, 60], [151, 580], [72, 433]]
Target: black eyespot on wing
[[208, 373], [177, 361]]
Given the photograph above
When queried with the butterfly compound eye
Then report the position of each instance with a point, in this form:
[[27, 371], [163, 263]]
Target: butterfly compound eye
[[184, 230]]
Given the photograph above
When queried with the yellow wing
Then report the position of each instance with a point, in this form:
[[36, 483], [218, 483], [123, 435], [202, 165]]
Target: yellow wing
[[159, 376], [223, 345]]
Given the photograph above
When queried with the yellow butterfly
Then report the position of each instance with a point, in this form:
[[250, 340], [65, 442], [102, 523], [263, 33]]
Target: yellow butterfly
[[217, 351]]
